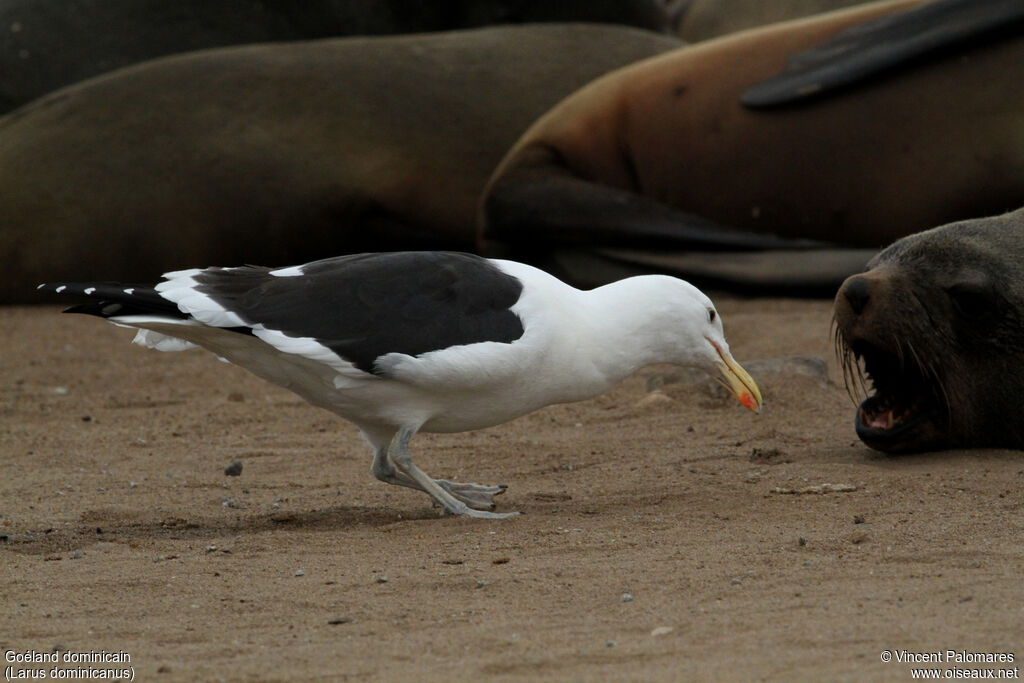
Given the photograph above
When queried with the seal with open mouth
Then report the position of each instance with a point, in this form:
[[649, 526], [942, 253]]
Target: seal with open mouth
[[938, 321]]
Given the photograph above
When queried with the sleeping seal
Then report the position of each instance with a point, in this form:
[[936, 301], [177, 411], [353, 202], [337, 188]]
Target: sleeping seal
[[48, 44], [666, 158], [281, 153]]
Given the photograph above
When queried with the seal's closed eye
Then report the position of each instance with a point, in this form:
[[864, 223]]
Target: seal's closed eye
[[972, 301]]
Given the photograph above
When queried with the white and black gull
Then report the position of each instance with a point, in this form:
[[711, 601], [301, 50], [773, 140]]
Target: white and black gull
[[404, 342]]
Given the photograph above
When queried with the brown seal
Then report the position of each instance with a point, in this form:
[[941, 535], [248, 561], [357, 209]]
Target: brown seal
[[48, 44], [662, 155], [281, 153], [938, 320]]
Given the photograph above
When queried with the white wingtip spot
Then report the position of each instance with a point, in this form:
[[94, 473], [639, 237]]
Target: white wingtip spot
[[41, 286], [129, 291], [292, 271], [60, 289], [89, 290]]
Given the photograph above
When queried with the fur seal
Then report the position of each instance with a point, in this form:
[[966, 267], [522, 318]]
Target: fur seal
[[281, 153], [938, 320], [52, 43], [662, 155]]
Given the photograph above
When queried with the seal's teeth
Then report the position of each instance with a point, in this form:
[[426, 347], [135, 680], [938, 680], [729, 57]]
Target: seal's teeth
[[889, 420]]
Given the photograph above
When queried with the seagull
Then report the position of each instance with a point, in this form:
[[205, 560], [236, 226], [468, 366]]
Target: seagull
[[403, 342]]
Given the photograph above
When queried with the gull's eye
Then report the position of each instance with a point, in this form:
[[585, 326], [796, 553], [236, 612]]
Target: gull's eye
[[711, 315]]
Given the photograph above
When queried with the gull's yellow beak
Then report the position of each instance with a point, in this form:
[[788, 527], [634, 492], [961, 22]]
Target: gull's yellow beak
[[734, 378]]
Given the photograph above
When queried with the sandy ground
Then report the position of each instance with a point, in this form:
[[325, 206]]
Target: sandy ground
[[668, 533]]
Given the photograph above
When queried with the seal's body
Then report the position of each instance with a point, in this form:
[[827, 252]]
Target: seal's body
[[663, 151], [48, 44], [281, 153]]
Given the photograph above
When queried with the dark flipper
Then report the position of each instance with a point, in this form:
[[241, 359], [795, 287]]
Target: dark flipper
[[814, 272], [545, 205], [881, 45], [592, 234]]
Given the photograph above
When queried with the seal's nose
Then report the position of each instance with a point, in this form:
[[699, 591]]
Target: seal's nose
[[857, 292]]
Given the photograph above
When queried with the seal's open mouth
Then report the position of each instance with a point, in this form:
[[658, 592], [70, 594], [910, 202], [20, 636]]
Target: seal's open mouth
[[904, 409]]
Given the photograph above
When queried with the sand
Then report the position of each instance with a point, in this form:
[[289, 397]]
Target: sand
[[668, 534]]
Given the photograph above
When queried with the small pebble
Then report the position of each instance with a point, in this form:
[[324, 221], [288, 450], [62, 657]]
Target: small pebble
[[75, 555], [381, 579], [736, 581], [662, 631], [627, 597], [481, 583], [610, 643], [299, 572], [234, 469], [338, 620], [801, 541]]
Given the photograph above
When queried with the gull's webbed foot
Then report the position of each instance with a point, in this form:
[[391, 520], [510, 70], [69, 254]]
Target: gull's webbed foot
[[455, 498], [476, 496]]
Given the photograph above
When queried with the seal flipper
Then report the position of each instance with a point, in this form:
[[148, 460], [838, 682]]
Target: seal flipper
[[877, 46], [545, 204], [803, 273]]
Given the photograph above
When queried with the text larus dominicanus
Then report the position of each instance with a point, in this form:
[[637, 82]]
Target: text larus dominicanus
[[425, 341]]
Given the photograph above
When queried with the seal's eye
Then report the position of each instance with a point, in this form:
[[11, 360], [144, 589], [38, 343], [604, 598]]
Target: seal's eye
[[711, 315], [972, 301]]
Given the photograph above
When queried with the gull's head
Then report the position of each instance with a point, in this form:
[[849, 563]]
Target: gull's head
[[696, 339]]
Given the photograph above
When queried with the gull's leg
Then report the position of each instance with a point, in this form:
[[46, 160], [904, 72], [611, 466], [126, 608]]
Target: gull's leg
[[386, 472], [398, 451], [475, 496]]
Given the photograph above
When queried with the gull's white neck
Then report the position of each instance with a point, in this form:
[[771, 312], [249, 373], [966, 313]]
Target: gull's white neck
[[626, 328], [594, 339]]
